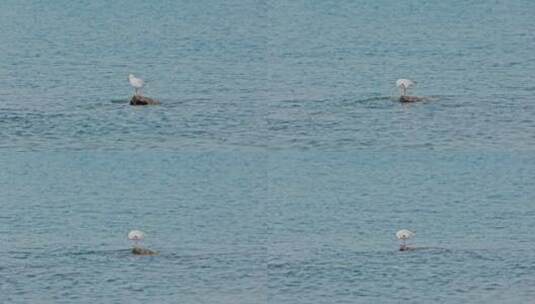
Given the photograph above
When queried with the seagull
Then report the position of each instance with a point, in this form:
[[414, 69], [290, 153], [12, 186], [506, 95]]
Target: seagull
[[403, 235], [403, 85], [135, 82], [136, 236]]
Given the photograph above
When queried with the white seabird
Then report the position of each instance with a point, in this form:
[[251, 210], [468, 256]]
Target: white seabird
[[136, 235], [404, 84], [403, 235], [135, 82]]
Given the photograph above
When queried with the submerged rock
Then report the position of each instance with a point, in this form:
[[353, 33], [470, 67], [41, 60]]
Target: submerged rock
[[405, 98], [406, 248], [143, 251], [138, 100]]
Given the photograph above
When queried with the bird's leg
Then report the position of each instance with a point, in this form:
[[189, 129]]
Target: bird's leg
[[403, 245], [403, 90]]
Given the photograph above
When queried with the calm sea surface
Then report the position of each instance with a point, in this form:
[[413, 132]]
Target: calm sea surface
[[278, 167]]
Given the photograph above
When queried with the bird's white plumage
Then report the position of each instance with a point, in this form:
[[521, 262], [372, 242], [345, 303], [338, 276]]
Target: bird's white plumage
[[136, 83], [136, 235], [404, 234], [405, 83]]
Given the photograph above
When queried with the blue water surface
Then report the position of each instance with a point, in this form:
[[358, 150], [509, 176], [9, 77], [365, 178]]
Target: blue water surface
[[279, 165]]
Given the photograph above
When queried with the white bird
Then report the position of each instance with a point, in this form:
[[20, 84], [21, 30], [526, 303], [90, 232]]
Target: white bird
[[136, 236], [135, 82], [403, 235], [404, 84]]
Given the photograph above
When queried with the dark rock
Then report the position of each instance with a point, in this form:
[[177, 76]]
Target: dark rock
[[138, 100], [405, 98], [143, 251], [406, 248]]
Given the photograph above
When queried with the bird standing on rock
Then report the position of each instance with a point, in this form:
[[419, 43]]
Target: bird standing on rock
[[403, 235], [138, 99], [404, 85], [138, 236]]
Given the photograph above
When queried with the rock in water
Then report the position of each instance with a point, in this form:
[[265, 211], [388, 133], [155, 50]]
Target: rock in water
[[405, 98], [142, 101], [143, 251]]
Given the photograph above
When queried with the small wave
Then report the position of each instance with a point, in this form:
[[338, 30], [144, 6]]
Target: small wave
[[427, 249], [119, 101], [396, 98], [376, 98], [103, 252]]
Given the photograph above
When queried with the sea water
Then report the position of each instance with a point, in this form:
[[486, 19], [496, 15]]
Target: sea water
[[279, 166]]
